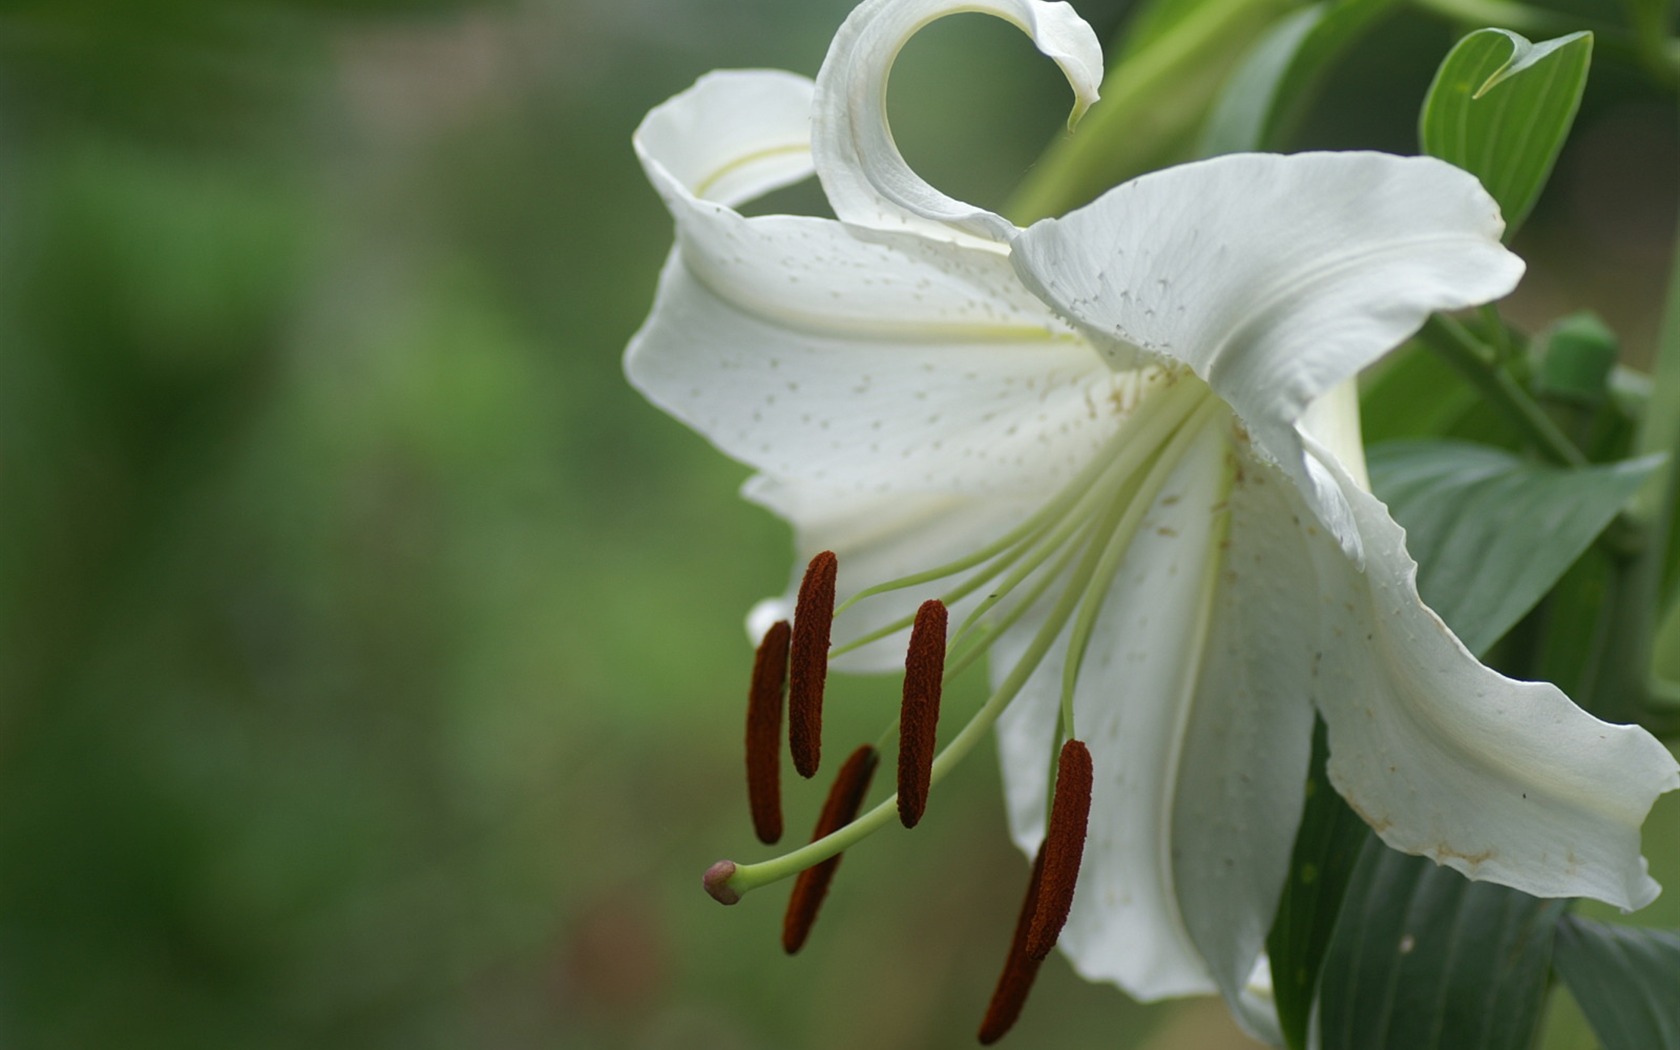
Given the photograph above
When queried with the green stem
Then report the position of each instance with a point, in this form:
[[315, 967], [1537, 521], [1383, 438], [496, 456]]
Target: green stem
[[1474, 362], [1659, 430], [1649, 573], [1503, 350]]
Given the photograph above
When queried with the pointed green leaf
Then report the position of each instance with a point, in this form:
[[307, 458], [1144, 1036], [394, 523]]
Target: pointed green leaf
[[1327, 847], [1492, 532], [1501, 107], [1626, 980], [1425, 959]]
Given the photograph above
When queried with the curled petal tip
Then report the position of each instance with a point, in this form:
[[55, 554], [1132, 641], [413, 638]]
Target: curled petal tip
[[716, 881], [866, 178], [1081, 106]]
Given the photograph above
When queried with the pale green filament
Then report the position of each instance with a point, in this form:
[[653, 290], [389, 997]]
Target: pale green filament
[[1115, 486], [1123, 453], [751, 876], [1175, 395], [978, 637], [1136, 506]]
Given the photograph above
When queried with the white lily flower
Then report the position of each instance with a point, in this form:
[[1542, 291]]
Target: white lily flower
[[1123, 446]]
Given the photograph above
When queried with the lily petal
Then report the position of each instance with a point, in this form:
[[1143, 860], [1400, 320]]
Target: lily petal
[[1333, 421], [1132, 707], [880, 364], [1194, 700], [1247, 743], [866, 178], [866, 368], [1417, 726], [1274, 278], [892, 363], [733, 136]]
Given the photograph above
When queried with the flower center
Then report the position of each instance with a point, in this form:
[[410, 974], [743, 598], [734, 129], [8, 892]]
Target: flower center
[[1062, 559], [1058, 565]]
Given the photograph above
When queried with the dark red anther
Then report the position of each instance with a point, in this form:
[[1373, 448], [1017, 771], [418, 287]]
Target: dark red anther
[[1064, 847], [844, 799], [918, 719], [1019, 969], [813, 618], [764, 733]]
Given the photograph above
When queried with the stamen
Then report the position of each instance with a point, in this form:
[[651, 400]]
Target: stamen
[[1098, 541], [844, 800], [1049, 893], [751, 876], [764, 733], [918, 720], [813, 619], [1064, 847], [1019, 969]]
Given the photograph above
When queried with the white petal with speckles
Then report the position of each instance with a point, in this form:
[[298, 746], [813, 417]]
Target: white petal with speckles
[[1502, 780], [1275, 278], [871, 365]]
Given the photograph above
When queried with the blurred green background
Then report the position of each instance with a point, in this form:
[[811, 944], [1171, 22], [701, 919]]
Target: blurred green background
[[370, 655]]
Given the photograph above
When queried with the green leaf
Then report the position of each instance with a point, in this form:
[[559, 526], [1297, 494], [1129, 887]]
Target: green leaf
[[1425, 959], [1571, 636], [1413, 394], [1260, 103], [1501, 107], [1492, 532], [1327, 848], [1626, 980], [1246, 106]]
